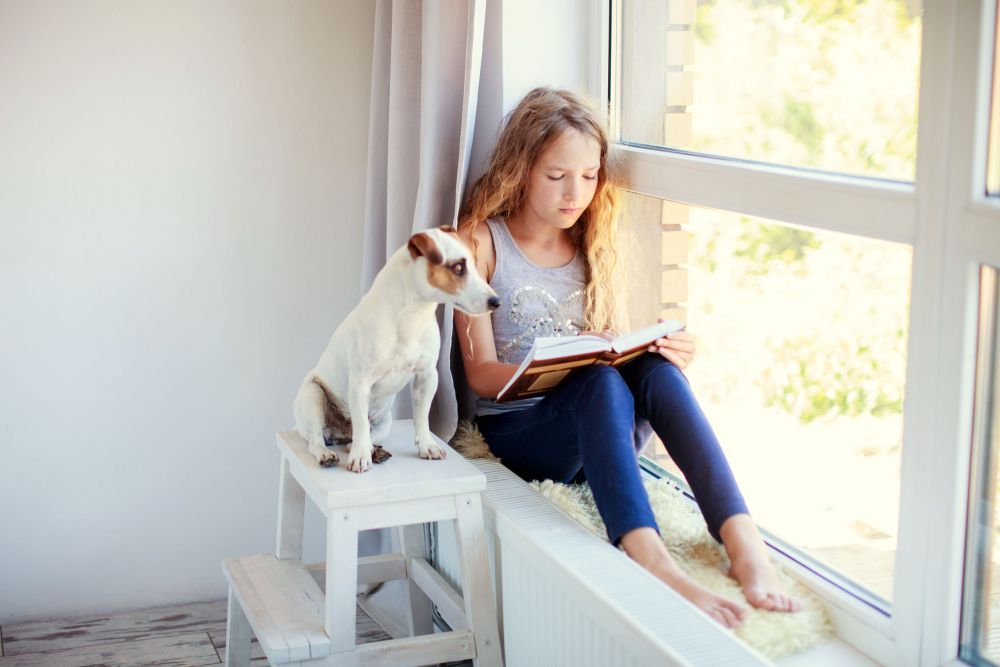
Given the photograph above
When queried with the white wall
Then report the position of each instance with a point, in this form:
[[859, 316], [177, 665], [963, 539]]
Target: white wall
[[545, 43], [181, 196], [527, 44]]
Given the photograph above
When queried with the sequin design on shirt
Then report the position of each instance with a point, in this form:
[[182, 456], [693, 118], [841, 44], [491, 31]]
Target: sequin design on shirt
[[538, 313]]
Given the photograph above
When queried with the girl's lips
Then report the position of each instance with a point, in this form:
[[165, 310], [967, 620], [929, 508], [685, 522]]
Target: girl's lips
[[568, 211]]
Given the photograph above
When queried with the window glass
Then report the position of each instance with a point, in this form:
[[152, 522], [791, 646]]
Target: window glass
[[981, 614], [993, 165], [822, 84], [800, 366]]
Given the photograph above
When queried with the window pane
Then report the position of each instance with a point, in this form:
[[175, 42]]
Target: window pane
[[801, 339], [981, 613], [823, 84], [993, 164]]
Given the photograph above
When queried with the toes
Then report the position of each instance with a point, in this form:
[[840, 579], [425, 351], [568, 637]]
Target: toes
[[761, 600], [731, 620], [359, 465], [431, 453]]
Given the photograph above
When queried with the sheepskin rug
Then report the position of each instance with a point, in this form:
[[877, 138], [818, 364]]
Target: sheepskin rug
[[774, 634]]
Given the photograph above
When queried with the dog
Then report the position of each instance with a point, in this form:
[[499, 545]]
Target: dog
[[389, 338]]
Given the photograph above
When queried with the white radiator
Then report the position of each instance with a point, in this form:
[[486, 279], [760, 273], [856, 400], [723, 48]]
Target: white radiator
[[565, 597]]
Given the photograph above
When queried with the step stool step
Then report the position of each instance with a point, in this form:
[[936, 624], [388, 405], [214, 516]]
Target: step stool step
[[283, 604], [404, 477]]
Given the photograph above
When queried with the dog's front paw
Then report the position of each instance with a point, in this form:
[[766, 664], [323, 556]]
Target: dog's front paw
[[326, 457], [360, 459], [428, 449]]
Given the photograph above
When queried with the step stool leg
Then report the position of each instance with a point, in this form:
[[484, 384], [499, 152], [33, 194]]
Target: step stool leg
[[237, 634], [410, 542], [477, 587], [341, 578], [291, 514]]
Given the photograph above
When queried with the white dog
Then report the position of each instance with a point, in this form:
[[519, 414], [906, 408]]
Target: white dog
[[390, 338]]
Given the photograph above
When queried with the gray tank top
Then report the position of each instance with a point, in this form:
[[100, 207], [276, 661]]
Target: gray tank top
[[536, 301]]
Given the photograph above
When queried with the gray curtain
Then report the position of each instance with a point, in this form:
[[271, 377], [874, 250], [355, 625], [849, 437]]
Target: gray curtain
[[425, 83]]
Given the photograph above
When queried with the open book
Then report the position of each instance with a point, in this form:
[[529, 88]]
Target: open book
[[552, 358]]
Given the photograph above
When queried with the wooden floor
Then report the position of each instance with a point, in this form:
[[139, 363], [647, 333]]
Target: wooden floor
[[178, 636]]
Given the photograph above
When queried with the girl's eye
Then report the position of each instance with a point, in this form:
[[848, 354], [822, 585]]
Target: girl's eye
[[555, 178], [591, 178]]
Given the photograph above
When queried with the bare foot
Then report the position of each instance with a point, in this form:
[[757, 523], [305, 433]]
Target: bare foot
[[643, 545], [722, 609], [752, 567], [761, 586]]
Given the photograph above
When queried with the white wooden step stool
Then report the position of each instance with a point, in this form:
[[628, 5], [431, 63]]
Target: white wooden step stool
[[296, 624]]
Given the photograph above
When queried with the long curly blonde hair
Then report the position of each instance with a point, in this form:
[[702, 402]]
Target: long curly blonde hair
[[528, 130]]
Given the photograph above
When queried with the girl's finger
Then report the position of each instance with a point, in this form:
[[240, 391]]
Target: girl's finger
[[672, 358]]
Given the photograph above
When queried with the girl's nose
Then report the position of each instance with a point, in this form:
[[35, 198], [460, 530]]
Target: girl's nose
[[572, 190]]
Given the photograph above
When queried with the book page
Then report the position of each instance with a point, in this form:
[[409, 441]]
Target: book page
[[645, 335], [551, 347]]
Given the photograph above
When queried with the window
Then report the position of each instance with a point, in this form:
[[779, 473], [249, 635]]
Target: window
[[801, 366], [809, 394], [981, 602], [773, 135], [824, 84], [993, 168]]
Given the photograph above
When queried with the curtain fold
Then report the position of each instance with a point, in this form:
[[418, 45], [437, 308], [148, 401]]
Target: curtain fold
[[425, 81]]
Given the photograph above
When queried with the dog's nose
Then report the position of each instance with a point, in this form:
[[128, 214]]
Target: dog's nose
[[493, 302]]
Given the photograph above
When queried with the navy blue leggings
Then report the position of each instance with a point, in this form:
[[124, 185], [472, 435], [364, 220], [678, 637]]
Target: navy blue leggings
[[592, 427]]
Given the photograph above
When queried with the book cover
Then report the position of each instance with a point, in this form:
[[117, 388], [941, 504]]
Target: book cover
[[552, 358]]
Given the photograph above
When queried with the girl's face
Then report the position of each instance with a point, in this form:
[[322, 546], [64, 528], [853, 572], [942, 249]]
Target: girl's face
[[563, 179]]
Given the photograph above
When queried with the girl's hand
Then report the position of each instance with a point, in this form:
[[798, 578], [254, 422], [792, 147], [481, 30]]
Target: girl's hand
[[677, 347], [606, 335]]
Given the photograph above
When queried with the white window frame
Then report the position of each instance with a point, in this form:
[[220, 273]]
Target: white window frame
[[952, 227]]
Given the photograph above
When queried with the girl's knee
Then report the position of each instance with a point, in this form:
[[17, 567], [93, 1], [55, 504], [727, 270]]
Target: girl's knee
[[599, 373], [605, 381], [653, 365]]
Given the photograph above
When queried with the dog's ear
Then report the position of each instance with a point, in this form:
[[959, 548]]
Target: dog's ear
[[423, 244]]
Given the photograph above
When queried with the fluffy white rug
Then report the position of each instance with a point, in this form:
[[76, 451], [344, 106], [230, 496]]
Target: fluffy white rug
[[774, 634]]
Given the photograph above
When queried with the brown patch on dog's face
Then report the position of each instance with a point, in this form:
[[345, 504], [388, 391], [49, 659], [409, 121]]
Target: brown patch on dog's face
[[448, 277], [422, 245]]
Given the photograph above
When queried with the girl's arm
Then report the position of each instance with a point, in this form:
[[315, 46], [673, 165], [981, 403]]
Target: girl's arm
[[485, 374]]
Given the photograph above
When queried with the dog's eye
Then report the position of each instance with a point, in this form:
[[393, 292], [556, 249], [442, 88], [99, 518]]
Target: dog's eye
[[458, 268]]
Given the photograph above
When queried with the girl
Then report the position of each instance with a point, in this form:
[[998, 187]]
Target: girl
[[548, 247]]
